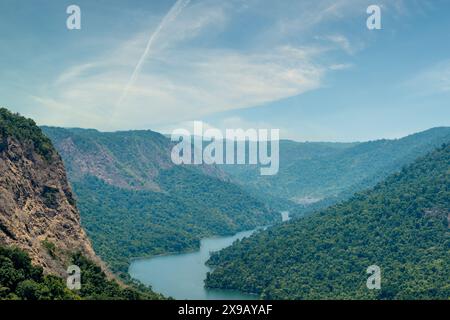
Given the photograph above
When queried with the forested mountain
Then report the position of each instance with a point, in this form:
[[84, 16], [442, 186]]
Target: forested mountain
[[125, 159], [400, 225], [135, 202], [40, 231], [312, 172]]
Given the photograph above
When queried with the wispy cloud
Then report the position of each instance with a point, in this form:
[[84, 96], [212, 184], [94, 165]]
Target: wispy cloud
[[170, 17], [342, 42], [176, 79], [177, 89]]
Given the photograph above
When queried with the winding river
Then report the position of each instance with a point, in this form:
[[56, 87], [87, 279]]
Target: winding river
[[181, 276]]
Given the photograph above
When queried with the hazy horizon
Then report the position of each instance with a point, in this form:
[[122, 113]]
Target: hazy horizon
[[281, 138]]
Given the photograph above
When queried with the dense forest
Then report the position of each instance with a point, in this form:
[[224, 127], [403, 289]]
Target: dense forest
[[135, 202], [400, 225], [19, 279], [125, 224]]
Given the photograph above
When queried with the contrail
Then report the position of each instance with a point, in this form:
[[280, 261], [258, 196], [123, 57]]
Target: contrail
[[170, 16]]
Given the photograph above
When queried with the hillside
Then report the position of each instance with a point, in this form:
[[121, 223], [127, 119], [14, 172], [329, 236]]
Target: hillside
[[135, 202], [37, 208], [401, 225], [20, 279], [312, 172], [125, 159], [40, 231]]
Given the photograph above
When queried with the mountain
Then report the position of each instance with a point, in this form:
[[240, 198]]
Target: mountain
[[37, 208], [324, 173], [135, 202], [40, 231], [400, 225], [126, 159]]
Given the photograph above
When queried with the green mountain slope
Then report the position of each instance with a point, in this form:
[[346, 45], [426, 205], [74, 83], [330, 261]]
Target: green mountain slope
[[135, 202], [19, 279], [401, 225], [311, 172]]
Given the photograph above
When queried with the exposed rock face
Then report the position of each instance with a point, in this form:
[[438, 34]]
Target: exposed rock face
[[37, 209]]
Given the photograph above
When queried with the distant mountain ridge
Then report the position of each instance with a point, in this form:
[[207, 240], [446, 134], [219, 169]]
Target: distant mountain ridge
[[124, 159], [314, 171]]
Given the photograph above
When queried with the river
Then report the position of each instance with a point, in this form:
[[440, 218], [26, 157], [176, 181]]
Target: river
[[181, 276]]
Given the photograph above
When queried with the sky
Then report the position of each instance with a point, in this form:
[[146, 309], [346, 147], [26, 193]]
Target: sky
[[309, 68]]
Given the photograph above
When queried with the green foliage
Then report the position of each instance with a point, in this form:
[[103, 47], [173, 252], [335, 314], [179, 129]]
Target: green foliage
[[134, 202], [401, 225], [125, 224], [19, 279], [25, 130], [96, 286], [50, 247]]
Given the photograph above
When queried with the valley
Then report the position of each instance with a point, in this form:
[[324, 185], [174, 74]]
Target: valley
[[224, 150], [166, 215], [177, 228], [135, 202]]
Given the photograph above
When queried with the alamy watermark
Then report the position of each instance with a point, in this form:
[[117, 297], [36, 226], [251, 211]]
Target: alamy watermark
[[73, 22], [236, 146], [374, 280], [74, 277], [374, 20]]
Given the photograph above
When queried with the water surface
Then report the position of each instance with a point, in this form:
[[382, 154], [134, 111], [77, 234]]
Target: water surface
[[182, 276]]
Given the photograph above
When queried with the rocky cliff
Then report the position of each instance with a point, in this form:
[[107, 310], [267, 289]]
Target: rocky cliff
[[37, 210]]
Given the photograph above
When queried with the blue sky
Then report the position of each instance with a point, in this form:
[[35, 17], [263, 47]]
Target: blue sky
[[310, 68]]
